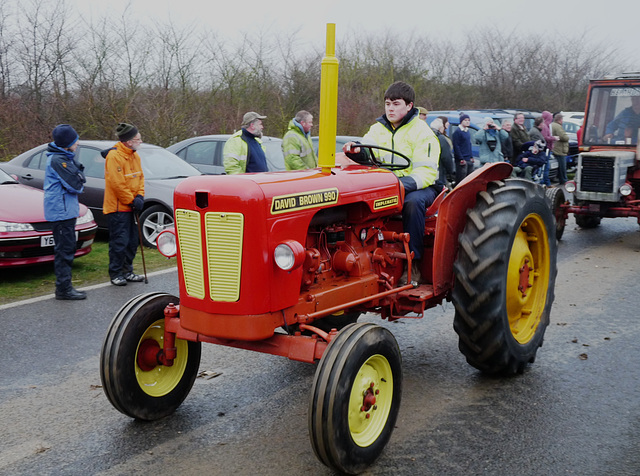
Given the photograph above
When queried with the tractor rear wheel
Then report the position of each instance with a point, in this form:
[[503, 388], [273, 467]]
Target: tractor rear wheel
[[355, 397], [556, 198], [133, 382], [504, 277]]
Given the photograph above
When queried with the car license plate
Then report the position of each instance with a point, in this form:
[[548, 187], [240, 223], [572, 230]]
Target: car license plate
[[48, 240]]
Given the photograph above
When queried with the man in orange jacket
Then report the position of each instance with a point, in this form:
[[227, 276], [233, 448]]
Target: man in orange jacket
[[123, 199]]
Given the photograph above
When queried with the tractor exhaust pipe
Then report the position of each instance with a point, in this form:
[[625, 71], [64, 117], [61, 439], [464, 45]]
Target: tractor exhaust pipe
[[328, 104]]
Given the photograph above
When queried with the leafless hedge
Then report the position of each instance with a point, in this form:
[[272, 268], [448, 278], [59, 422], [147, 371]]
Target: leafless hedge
[[176, 81]]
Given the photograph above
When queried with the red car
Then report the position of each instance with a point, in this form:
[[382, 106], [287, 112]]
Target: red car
[[25, 236]]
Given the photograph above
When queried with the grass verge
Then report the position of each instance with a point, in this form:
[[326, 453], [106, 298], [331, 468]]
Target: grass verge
[[31, 281]]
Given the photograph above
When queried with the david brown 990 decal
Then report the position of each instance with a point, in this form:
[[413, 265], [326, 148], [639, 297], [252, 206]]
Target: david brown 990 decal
[[301, 201], [386, 202]]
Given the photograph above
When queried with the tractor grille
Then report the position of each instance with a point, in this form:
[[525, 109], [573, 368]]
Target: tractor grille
[[223, 252], [190, 239], [597, 174]]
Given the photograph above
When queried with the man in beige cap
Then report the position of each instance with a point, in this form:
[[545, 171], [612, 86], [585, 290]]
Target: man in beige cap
[[422, 113], [244, 152]]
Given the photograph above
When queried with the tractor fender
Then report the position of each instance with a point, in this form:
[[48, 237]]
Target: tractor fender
[[452, 218]]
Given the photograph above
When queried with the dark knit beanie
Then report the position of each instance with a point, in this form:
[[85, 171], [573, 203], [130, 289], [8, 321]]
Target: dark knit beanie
[[64, 136], [126, 131], [464, 116]]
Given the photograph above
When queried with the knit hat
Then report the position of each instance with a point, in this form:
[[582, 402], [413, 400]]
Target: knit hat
[[464, 116], [64, 136], [249, 117], [126, 132]]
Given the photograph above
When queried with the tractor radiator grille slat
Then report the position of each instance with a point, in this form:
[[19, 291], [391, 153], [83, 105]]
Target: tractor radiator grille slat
[[190, 239], [224, 232], [597, 174]]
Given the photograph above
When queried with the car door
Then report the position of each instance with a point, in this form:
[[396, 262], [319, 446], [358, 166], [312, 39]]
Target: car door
[[204, 155], [93, 195], [33, 169]]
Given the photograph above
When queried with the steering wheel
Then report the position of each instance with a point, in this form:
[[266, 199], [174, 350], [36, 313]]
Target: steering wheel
[[384, 165]]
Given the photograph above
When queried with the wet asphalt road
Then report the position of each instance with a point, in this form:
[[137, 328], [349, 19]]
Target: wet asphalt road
[[576, 410]]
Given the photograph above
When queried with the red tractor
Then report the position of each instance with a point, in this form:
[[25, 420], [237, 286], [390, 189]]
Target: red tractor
[[285, 262], [607, 180]]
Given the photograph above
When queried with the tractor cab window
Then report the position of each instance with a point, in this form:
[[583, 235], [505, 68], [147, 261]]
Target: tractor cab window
[[613, 116]]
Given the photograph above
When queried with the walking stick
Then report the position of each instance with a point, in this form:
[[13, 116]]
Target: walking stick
[[144, 266]]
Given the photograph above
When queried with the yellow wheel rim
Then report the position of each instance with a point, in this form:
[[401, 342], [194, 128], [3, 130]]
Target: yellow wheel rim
[[528, 278], [370, 400], [161, 380]]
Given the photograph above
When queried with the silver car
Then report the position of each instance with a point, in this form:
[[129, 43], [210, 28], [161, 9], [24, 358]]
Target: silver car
[[205, 152], [162, 173]]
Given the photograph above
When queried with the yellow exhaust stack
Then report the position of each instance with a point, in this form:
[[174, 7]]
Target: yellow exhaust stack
[[328, 104]]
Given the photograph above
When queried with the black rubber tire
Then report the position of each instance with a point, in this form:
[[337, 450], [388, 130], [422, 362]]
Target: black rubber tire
[[154, 220], [587, 221], [501, 327], [555, 195], [118, 364], [347, 367]]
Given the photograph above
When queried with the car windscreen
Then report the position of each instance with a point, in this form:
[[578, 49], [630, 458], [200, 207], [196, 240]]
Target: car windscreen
[[613, 116], [159, 163]]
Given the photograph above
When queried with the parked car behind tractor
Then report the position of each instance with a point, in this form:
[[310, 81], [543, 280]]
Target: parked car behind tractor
[[607, 179], [285, 262]]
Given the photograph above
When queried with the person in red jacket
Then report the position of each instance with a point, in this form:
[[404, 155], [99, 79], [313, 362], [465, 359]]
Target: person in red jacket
[[123, 200]]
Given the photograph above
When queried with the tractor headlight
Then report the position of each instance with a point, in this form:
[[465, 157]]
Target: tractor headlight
[[289, 255], [626, 190], [166, 243], [570, 186]]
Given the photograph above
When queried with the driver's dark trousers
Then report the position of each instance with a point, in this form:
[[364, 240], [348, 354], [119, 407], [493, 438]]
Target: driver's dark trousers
[[413, 217]]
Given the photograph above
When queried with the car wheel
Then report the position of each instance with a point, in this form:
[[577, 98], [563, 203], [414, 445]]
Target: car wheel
[[153, 221]]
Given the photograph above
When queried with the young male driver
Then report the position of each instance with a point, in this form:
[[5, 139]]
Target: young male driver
[[401, 129]]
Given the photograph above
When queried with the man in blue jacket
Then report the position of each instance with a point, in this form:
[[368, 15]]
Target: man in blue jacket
[[63, 181], [462, 152]]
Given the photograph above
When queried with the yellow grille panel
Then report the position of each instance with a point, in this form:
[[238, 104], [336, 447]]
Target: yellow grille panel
[[190, 239], [224, 233]]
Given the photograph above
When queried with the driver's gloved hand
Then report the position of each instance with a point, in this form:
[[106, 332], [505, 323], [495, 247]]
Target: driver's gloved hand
[[409, 184]]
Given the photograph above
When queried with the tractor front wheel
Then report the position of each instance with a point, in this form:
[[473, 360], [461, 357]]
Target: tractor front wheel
[[133, 381], [504, 277], [355, 397]]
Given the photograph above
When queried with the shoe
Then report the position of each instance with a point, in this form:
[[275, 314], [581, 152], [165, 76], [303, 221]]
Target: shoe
[[119, 281], [134, 278], [71, 295]]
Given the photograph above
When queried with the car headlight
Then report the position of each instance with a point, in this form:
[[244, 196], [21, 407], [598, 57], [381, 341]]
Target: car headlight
[[289, 255], [6, 226], [570, 186], [86, 218], [166, 243]]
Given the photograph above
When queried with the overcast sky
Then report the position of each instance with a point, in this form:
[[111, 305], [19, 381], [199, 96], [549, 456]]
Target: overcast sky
[[619, 25]]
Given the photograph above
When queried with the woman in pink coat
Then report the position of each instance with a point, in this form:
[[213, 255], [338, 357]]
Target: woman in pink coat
[[549, 139]]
